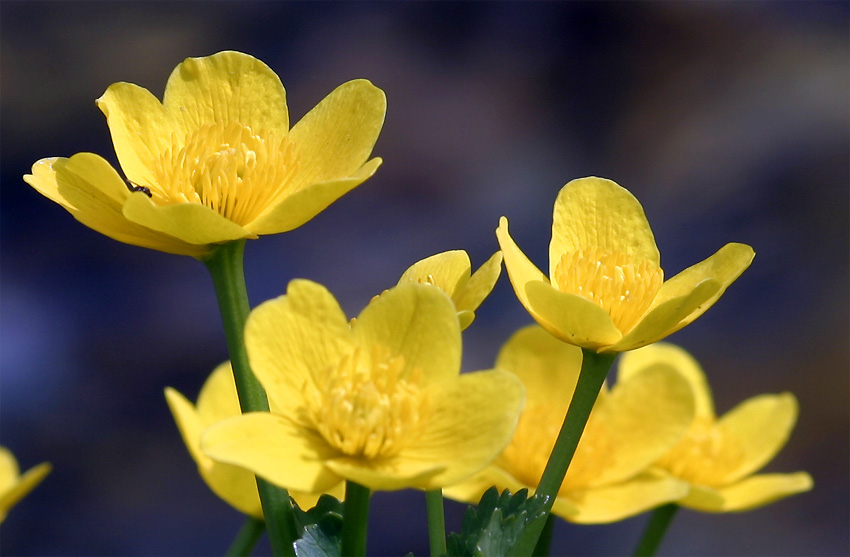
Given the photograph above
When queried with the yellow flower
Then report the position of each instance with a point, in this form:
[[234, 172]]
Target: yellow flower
[[13, 485], [630, 427], [216, 160], [218, 401], [606, 290], [378, 401], [451, 271], [719, 456]]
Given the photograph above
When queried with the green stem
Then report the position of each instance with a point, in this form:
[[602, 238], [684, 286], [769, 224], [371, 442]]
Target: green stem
[[436, 522], [545, 539], [355, 519], [594, 369], [247, 538], [657, 526], [226, 268]]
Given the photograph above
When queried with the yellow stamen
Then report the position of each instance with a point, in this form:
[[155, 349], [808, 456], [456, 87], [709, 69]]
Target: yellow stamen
[[229, 168], [705, 455], [364, 407], [617, 283]]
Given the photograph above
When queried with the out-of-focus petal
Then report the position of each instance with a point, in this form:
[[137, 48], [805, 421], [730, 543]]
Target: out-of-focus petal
[[611, 503], [748, 494]]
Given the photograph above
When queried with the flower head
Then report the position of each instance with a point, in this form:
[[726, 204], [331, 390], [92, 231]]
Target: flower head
[[606, 290], [718, 457], [217, 401], [216, 161], [629, 428], [378, 401], [451, 271], [13, 485]]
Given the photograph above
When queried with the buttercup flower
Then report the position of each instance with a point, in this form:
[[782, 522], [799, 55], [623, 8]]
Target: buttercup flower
[[379, 401], [218, 401], [13, 485], [719, 456], [630, 427], [451, 271], [606, 290], [216, 160]]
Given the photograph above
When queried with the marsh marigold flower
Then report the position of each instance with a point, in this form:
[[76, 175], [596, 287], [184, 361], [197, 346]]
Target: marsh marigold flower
[[13, 485], [379, 401], [217, 401], [629, 428], [606, 290], [718, 457], [451, 271], [216, 161]]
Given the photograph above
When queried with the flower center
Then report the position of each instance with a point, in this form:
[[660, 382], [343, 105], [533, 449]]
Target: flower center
[[364, 407], [229, 168], [705, 456], [623, 287]]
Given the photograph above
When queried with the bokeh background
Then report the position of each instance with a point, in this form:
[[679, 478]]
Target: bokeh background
[[728, 120]]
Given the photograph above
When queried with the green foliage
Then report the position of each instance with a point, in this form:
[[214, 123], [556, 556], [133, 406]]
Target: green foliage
[[496, 527], [320, 529]]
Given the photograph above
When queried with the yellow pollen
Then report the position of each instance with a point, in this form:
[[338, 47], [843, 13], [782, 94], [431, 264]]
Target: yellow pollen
[[705, 456], [616, 282], [364, 406], [526, 456], [231, 169]]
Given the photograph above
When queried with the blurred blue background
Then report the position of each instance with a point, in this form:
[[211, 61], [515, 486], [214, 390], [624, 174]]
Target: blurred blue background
[[728, 120]]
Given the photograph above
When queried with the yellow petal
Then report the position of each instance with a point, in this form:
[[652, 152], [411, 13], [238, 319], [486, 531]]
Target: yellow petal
[[479, 285], [547, 367], [292, 337], [521, 271], [748, 494], [724, 267], [448, 271], [141, 129], [759, 427], [571, 318], [335, 138], [611, 503], [218, 398], [20, 486], [644, 417], [390, 474], [294, 210], [595, 212], [418, 322], [662, 319], [472, 419], [471, 489], [191, 222], [226, 87], [92, 191], [274, 448], [666, 355], [9, 471], [235, 485]]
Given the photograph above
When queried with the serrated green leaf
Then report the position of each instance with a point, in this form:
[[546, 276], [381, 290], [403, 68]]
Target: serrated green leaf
[[320, 529], [495, 527]]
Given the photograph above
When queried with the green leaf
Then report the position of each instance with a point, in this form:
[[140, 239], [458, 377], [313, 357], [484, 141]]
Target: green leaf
[[497, 525], [320, 529]]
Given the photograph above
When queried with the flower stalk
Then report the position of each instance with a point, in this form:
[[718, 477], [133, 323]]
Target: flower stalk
[[355, 519], [226, 268], [247, 538], [594, 369], [436, 522], [655, 530]]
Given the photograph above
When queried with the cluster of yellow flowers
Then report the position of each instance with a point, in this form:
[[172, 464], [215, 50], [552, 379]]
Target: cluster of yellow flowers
[[379, 399]]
